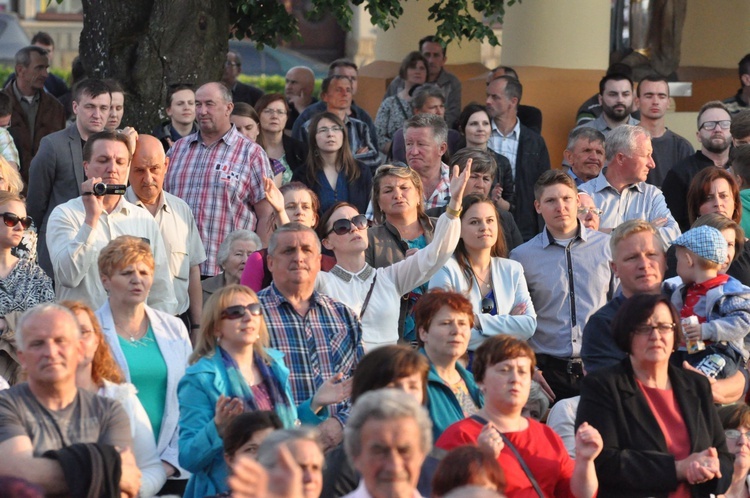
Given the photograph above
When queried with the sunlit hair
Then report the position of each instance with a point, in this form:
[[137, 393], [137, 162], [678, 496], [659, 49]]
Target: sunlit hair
[[700, 187], [433, 301], [403, 172], [552, 177], [6, 197], [124, 251], [499, 250], [482, 161], [103, 366], [323, 227], [206, 343], [628, 228], [467, 465], [261, 105], [497, 349], [623, 140], [636, 311], [344, 158], [383, 365], [721, 223], [12, 177], [735, 416], [239, 235]]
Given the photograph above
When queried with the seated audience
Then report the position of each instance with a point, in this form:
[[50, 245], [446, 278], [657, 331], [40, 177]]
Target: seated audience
[[98, 373], [494, 284], [293, 202], [396, 109], [661, 432], [474, 125], [52, 434], [444, 320], [502, 368], [280, 147], [232, 256], [151, 347], [233, 371], [331, 170], [375, 294]]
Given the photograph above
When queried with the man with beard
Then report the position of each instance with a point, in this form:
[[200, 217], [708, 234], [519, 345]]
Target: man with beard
[[652, 99], [714, 124], [616, 98]]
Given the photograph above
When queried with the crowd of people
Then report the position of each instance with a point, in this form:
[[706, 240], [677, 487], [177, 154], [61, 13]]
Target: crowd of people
[[275, 296]]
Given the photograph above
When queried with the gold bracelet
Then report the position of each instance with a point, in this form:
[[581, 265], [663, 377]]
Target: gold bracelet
[[456, 213]]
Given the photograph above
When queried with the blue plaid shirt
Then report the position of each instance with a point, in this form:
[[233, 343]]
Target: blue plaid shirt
[[327, 340]]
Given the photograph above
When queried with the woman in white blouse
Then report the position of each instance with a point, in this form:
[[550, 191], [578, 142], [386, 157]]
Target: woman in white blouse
[[494, 284], [375, 294]]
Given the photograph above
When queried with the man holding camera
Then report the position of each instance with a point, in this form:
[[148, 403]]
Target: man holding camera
[[79, 229]]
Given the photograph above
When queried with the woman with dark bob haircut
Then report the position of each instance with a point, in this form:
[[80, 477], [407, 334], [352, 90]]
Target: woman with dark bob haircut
[[502, 368], [393, 366], [467, 465], [662, 435]]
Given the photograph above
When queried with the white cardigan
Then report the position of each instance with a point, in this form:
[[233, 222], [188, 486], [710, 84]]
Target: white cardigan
[[174, 344], [509, 286], [147, 459], [380, 322]]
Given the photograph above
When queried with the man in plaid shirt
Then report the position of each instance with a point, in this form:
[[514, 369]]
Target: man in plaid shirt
[[219, 173], [319, 336], [426, 140]]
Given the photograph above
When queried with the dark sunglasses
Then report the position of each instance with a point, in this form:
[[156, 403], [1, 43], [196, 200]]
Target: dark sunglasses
[[238, 311], [342, 226], [12, 219]]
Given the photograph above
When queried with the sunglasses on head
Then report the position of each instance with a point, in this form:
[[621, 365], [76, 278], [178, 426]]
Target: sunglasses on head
[[12, 219], [344, 226], [238, 311]]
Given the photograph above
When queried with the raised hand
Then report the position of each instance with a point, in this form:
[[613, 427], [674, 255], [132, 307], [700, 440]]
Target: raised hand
[[588, 442], [226, 409], [332, 391]]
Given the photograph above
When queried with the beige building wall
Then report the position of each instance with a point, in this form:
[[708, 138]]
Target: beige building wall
[[570, 34], [716, 34]]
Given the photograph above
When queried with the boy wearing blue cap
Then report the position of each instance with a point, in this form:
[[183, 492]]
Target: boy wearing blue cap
[[720, 303]]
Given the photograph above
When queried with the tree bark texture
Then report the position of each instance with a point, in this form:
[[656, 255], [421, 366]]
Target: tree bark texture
[[149, 45]]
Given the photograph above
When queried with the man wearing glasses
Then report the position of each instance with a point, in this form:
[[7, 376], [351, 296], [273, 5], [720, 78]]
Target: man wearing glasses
[[714, 122], [240, 91]]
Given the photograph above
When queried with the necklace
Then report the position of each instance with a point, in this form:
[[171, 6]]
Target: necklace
[[481, 281]]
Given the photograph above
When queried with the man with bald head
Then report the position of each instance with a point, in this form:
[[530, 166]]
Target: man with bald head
[[176, 224], [300, 82], [219, 173]]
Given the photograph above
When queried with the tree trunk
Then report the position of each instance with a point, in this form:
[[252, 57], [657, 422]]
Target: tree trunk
[[149, 45]]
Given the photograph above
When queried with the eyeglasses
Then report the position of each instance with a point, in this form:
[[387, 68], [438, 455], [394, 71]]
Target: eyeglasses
[[271, 112], [663, 328], [593, 210], [344, 226], [325, 130], [710, 125], [238, 311], [12, 219], [732, 434]]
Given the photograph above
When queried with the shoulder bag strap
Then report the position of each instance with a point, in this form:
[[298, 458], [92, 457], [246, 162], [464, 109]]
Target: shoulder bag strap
[[520, 459], [367, 297]]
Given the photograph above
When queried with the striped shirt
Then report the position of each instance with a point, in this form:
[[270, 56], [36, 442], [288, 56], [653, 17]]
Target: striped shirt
[[442, 193], [220, 182], [317, 346], [506, 145]]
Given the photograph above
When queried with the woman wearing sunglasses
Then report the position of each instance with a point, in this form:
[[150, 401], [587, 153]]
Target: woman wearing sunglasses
[[480, 269], [233, 371], [331, 170], [375, 294], [151, 347], [23, 284]]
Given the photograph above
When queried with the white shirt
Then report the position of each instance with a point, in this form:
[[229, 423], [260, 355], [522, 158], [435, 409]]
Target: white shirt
[[380, 321], [506, 145], [361, 492], [181, 240], [74, 249]]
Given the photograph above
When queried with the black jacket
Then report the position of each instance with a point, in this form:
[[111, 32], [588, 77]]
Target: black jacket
[[635, 461], [531, 161]]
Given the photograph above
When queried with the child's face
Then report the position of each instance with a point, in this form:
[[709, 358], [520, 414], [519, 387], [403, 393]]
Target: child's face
[[685, 265]]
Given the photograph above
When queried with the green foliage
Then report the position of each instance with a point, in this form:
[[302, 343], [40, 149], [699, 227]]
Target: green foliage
[[266, 21], [272, 84], [6, 71]]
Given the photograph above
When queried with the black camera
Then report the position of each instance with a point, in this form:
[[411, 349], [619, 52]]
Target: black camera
[[100, 189]]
